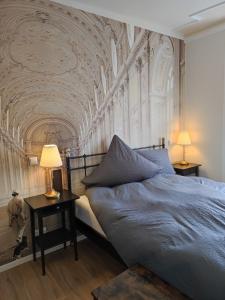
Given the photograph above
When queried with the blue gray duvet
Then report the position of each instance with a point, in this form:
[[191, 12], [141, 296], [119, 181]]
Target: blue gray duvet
[[171, 224]]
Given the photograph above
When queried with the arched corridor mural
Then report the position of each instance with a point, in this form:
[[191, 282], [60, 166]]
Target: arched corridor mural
[[74, 78], [98, 75]]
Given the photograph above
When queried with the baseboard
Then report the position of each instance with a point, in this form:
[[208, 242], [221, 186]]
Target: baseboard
[[29, 257]]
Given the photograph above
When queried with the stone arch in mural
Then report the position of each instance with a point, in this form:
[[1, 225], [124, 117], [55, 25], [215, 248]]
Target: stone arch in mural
[[40, 84], [163, 95], [50, 131]]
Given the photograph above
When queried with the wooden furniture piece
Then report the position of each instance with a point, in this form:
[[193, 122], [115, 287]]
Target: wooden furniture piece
[[81, 226], [137, 283], [186, 170], [43, 207]]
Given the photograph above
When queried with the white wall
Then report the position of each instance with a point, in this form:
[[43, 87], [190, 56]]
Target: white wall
[[204, 103]]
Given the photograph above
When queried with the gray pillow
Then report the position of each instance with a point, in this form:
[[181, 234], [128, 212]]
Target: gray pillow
[[121, 165], [160, 157]]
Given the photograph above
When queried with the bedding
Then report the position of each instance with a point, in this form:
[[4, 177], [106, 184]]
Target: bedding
[[86, 215], [120, 165], [171, 224], [160, 157]]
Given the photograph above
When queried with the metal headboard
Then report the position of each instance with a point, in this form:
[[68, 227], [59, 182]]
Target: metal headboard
[[85, 166]]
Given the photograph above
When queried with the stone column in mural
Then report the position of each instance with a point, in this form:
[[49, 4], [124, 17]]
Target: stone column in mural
[[107, 125], [111, 118], [134, 105], [0, 111], [145, 96], [139, 66], [126, 110], [3, 182], [122, 108], [7, 120], [118, 114]]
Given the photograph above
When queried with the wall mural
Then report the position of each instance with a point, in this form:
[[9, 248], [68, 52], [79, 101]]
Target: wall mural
[[74, 78]]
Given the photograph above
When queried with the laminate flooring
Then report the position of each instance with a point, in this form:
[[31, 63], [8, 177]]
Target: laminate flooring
[[66, 279]]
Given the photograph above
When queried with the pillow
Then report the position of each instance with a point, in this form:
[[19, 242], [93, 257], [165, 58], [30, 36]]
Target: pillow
[[160, 157], [121, 165]]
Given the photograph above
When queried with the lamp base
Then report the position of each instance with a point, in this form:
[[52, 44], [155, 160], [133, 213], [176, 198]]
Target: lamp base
[[52, 194], [184, 163]]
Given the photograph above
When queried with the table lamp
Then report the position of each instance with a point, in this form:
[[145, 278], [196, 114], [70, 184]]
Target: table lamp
[[184, 140], [50, 158]]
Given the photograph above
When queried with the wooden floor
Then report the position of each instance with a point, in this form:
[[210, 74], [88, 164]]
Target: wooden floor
[[66, 279]]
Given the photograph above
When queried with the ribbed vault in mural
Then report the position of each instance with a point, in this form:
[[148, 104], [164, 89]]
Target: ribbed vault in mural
[[55, 64], [75, 79]]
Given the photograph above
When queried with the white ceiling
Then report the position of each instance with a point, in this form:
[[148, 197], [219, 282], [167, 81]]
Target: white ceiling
[[172, 17]]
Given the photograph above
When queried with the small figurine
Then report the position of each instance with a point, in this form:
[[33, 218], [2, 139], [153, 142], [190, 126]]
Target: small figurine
[[17, 214]]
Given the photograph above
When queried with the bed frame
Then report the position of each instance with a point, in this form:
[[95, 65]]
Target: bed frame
[[81, 226]]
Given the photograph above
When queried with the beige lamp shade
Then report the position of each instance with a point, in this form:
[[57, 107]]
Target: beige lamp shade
[[50, 157], [184, 138]]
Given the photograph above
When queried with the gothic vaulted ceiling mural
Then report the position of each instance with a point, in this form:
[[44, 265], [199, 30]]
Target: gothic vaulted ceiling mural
[[49, 63], [75, 79]]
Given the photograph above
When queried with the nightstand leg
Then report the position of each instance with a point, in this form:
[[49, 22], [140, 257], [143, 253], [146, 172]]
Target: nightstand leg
[[197, 171], [73, 229], [32, 222], [75, 243], [40, 226], [63, 223]]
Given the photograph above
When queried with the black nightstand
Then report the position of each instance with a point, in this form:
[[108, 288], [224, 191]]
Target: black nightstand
[[186, 170], [44, 207]]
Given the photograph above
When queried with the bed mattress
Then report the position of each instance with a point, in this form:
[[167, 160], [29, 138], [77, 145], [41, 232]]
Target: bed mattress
[[86, 214]]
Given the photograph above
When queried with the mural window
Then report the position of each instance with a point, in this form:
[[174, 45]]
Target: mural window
[[103, 78], [114, 56], [130, 34]]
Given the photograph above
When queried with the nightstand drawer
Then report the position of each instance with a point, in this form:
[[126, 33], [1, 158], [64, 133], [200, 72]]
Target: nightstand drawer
[[54, 209], [185, 170]]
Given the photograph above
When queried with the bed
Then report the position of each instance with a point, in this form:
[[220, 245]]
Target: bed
[[85, 214], [86, 220], [171, 224]]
